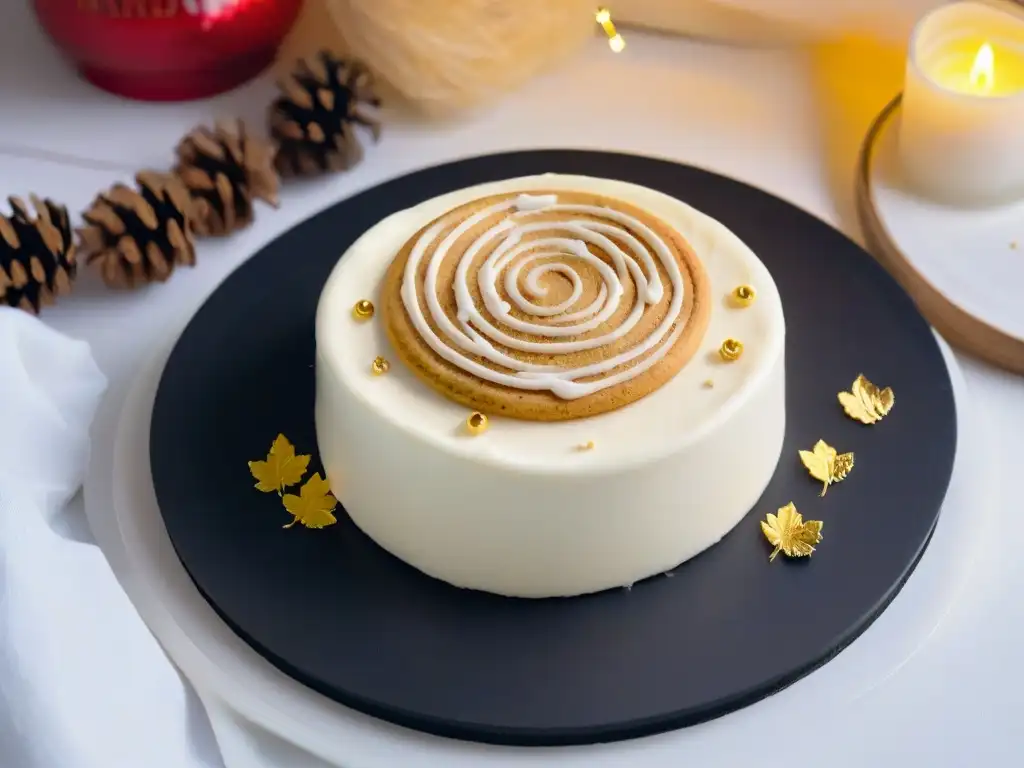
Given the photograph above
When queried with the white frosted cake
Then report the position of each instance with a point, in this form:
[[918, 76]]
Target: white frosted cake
[[549, 386]]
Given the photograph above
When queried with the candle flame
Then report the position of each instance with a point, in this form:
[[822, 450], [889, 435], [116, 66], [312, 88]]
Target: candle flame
[[983, 69], [615, 41]]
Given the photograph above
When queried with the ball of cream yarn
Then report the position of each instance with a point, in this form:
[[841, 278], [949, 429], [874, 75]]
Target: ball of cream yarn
[[445, 55]]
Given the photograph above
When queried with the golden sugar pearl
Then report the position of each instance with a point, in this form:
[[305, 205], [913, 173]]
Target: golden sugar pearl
[[587, 446], [730, 350], [380, 366], [476, 423], [363, 309], [743, 295], [709, 383]]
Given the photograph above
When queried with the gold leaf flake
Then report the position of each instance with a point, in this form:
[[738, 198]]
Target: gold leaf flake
[[865, 402], [314, 506], [826, 465], [790, 534], [280, 469]]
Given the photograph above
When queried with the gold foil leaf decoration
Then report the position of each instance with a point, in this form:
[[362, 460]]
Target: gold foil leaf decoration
[[379, 366], [865, 402], [790, 534], [281, 468], [314, 506], [826, 465]]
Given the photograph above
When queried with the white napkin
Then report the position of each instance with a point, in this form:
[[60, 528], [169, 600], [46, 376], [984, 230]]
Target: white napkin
[[83, 684]]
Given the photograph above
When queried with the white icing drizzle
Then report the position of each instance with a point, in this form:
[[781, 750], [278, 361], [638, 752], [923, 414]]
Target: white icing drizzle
[[476, 333]]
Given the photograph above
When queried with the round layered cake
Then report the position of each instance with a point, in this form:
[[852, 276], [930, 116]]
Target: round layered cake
[[549, 386]]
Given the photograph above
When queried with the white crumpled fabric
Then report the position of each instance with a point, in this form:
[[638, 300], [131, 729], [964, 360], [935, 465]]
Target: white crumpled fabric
[[83, 684]]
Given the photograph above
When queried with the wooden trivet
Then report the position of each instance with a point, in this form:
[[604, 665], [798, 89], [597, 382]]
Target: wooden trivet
[[966, 330]]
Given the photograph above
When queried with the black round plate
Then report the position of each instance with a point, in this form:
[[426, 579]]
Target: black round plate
[[337, 613]]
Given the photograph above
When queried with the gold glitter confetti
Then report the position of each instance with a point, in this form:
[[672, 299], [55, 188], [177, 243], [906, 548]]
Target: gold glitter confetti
[[380, 366], [743, 295], [730, 350], [865, 402], [790, 534], [826, 465], [476, 423], [363, 309]]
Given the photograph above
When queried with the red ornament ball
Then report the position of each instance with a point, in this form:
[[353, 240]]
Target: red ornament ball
[[168, 50]]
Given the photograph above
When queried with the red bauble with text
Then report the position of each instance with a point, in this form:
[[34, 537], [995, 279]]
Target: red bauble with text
[[168, 50]]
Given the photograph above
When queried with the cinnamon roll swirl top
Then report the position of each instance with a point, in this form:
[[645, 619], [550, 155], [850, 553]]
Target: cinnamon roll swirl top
[[547, 305]]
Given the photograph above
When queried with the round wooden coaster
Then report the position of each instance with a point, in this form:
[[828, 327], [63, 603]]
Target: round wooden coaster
[[963, 268]]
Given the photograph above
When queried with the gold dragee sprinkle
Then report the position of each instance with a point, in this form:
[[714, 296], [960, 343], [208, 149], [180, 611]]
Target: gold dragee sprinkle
[[587, 446], [709, 383], [731, 350], [380, 366], [363, 309], [744, 295], [476, 423]]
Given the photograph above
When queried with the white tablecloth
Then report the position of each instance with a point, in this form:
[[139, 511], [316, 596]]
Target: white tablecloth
[[750, 114]]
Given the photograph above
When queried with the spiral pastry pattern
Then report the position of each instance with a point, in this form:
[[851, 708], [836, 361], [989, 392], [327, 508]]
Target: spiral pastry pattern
[[546, 306]]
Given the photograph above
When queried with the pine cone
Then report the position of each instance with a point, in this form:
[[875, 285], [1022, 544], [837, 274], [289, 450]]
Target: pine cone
[[313, 120], [225, 169], [139, 236], [37, 255]]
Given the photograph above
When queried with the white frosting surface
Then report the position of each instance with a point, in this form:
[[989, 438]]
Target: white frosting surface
[[520, 510], [669, 417]]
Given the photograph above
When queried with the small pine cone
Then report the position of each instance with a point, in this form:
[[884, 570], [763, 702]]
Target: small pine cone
[[313, 120], [225, 169], [140, 236], [37, 255]]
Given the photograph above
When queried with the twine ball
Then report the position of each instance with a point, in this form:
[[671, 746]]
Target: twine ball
[[446, 55]]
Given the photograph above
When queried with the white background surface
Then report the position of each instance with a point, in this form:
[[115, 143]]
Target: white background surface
[[745, 113]]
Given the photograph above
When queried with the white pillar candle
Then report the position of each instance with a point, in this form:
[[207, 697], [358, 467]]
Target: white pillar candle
[[961, 133]]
